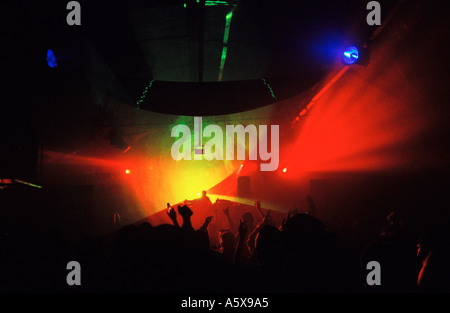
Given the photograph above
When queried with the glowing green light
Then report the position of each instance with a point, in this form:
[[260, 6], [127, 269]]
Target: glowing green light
[[222, 62], [269, 87], [225, 44], [27, 183], [144, 93], [211, 3]]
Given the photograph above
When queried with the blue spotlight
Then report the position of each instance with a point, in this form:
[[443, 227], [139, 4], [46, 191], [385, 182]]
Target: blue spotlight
[[51, 59], [350, 55]]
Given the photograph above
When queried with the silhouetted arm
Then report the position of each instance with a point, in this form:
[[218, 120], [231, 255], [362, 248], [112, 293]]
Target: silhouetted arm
[[251, 241], [289, 214], [258, 206], [206, 223], [311, 205], [226, 211], [239, 252], [173, 216], [186, 214]]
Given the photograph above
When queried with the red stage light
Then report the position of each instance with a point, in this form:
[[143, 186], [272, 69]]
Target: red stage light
[[366, 122], [127, 171]]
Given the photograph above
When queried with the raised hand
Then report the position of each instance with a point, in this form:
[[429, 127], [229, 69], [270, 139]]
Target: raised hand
[[208, 219], [258, 206], [185, 211], [226, 211], [206, 223], [283, 222], [242, 232], [172, 214], [186, 214]]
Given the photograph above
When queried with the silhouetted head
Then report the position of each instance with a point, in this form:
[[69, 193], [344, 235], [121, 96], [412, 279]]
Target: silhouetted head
[[201, 240], [248, 218], [227, 240], [268, 238], [127, 236], [203, 193], [145, 226], [302, 229], [145, 231], [394, 219]]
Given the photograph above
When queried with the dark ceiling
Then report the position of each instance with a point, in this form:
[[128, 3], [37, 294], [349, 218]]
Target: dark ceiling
[[127, 44]]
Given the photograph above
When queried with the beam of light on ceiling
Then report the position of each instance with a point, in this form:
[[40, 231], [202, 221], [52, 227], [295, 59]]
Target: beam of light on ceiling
[[225, 44]]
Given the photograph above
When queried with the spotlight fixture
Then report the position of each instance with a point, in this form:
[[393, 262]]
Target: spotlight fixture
[[350, 55], [356, 55]]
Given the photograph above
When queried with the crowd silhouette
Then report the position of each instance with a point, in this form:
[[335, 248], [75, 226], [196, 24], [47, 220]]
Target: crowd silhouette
[[253, 254]]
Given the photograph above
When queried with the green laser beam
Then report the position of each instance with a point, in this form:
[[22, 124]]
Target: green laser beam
[[226, 35]]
